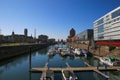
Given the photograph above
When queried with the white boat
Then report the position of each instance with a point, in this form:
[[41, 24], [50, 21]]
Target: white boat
[[77, 52], [110, 60], [105, 60], [51, 52]]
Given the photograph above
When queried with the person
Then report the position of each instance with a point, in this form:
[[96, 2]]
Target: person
[[96, 63], [105, 65]]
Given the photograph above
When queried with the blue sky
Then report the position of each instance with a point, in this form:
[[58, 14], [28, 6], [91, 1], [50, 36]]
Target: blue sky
[[52, 17]]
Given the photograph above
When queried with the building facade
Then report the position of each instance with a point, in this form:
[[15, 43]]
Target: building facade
[[17, 38], [107, 28], [43, 38], [85, 36], [72, 32], [71, 37]]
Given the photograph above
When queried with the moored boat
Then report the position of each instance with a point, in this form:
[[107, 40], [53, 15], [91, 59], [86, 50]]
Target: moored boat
[[110, 60], [85, 52], [51, 52]]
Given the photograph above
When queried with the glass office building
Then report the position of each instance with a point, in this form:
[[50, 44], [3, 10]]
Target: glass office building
[[107, 28], [85, 36]]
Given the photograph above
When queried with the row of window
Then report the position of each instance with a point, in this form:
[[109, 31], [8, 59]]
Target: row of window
[[101, 28], [116, 13], [101, 35], [112, 21], [117, 19], [112, 31], [110, 36], [100, 21], [109, 28]]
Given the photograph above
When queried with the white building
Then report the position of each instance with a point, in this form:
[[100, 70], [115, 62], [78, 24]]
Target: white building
[[107, 28]]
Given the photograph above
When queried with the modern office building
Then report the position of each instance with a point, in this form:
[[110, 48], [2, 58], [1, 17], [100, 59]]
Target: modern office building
[[85, 36], [107, 28]]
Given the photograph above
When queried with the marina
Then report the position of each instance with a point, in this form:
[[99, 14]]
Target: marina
[[66, 71], [59, 40], [40, 65]]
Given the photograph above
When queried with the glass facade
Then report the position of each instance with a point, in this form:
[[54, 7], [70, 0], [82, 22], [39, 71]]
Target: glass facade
[[85, 35], [100, 21], [116, 13], [100, 32], [108, 26]]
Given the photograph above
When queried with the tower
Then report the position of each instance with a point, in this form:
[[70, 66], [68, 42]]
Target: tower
[[25, 32], [13, 33], [72, 32], [34, 33]]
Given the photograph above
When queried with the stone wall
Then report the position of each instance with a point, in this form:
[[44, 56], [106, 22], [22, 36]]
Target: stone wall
[[11, 51]]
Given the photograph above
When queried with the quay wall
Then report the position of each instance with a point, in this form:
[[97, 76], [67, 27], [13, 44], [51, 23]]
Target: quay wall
[[12, 51], [102, 51]]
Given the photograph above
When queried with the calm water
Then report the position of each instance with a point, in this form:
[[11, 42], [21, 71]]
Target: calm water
[[18, 68]]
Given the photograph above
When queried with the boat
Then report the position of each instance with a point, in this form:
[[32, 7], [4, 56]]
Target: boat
[[64, 53], [77, 52], [110, 61], [68, 75], [85, 52], [51, 52]]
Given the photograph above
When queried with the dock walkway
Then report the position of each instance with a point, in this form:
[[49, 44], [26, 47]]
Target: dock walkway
[[43, 76], [97, 71], [88, 68], [75, 69]]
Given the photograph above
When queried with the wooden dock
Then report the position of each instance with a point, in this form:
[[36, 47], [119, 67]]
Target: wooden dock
[[47, 74], [74, 77], [76, 69], [97, 71], [43, 76]]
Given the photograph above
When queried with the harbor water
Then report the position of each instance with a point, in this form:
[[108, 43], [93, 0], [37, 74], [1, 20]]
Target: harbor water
[[17, 68]]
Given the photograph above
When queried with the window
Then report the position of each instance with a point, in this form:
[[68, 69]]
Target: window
[[115, 20], [100, 21], [100, 36], [107, 16], [118, 19], [100, 29], [116, 13], [100, 32]]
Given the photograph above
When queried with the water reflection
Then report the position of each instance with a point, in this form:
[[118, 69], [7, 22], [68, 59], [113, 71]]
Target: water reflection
[[18, 68], [8, 64], [43, 51]]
